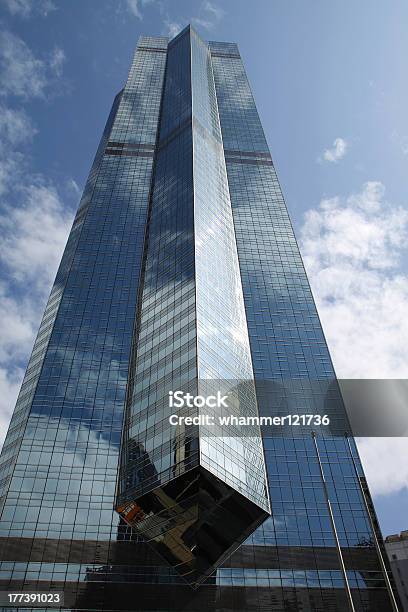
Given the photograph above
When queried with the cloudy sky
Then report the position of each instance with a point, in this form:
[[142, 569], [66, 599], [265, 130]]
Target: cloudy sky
[[330, 82]]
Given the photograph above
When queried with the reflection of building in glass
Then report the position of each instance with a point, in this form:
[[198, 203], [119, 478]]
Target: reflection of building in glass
[[182, 270], [397, 550]]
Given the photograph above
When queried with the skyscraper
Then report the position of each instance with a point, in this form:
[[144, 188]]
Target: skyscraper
[[182, 271]]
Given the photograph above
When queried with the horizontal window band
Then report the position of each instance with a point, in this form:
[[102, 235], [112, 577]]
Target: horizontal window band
[[152, 49], [126, 153], [235, 153], [257, 162], [232, 55], [130, 145], [135, 552]]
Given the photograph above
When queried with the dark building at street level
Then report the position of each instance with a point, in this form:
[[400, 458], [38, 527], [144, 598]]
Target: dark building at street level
[[182, 267], [396, 546]]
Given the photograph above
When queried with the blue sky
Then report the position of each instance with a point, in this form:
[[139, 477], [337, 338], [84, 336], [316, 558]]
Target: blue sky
[[330, 83]]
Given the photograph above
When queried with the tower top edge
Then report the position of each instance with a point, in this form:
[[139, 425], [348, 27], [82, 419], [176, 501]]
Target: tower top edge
[[164, 41]]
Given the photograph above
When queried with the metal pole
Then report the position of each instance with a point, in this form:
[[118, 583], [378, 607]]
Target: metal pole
[[333, 524], [376, 542]]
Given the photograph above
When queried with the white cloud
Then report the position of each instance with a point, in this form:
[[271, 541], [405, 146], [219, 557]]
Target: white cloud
[[21, 73], [34, 221], [19, 320], [210, 16], [32, 235], [16, 323], [10, 166], [15, 126], [216, 11], [34, 224], [385, 463], [73, 188], [352, 249], [10, 382], [57, 60], [337, 151], [25, 8], [172, 28], [135, 7]]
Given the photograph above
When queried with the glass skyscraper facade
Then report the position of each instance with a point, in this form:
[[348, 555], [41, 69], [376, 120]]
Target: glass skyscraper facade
[[182, 271]]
